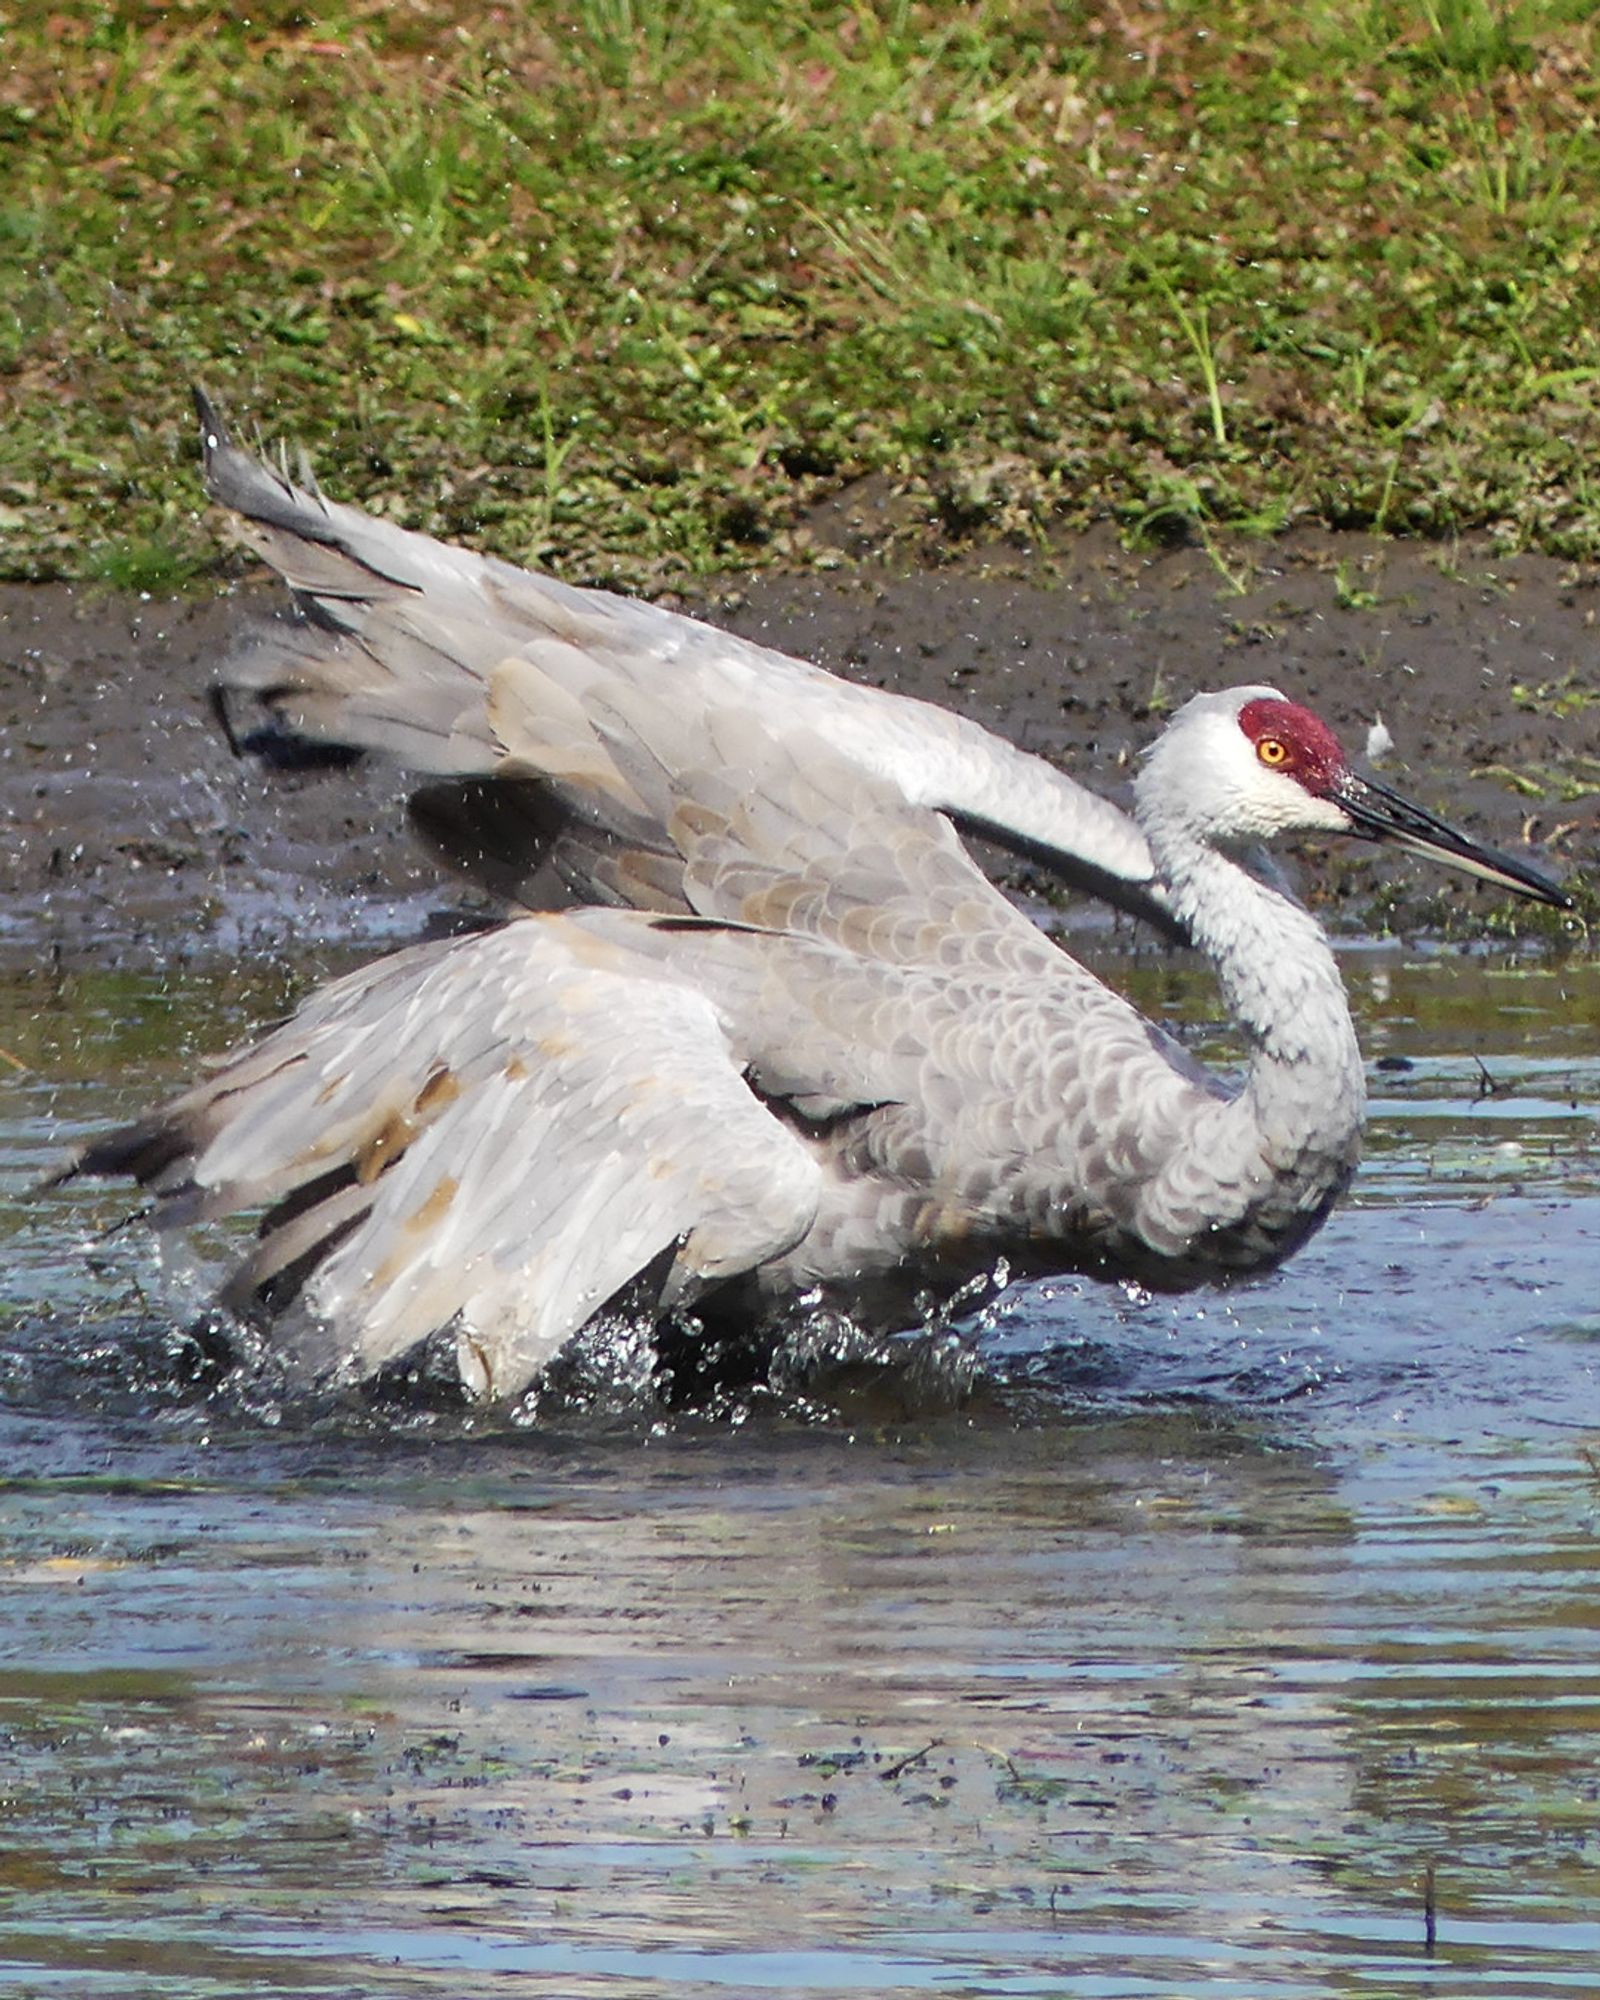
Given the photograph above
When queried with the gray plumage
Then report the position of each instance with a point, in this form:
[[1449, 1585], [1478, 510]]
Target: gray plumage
[[791, 1042], [482, 675]]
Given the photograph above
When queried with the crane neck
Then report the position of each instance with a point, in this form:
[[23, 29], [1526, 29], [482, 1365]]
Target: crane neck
[[1263, 1165], [1305, 1079]]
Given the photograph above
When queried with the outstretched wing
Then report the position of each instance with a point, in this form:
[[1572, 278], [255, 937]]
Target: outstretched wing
[[774, 830], [494, 1136], [462, 667]]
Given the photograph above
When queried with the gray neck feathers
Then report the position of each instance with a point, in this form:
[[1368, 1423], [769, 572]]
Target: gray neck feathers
[[1304, 1099]]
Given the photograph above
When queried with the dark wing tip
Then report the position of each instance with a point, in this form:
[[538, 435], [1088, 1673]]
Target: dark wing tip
[[234, 477], [216, 443], [252, 486], [213, 431], [144, 1151]]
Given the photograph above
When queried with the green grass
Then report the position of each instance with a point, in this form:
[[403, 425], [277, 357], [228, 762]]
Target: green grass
[[626, 285]]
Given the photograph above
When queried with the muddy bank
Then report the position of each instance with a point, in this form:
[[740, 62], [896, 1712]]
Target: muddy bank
[[130, 828]]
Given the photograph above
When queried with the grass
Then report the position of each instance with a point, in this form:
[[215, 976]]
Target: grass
[[627, 285]]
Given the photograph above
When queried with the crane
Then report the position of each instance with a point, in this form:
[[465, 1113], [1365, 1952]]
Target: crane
[[757, 1029]]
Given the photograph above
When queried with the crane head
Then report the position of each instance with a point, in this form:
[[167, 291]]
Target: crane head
[[1238, 767]]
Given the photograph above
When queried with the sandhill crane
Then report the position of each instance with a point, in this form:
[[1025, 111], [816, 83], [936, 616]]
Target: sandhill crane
[[787, 1042]]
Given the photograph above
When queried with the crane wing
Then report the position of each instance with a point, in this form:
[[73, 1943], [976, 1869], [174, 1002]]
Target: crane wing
[[493, 1136], [845, 1048], [463, 667], [774, 830]]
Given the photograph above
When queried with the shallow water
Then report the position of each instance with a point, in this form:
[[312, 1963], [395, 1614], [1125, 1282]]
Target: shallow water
[[1170, 1663]]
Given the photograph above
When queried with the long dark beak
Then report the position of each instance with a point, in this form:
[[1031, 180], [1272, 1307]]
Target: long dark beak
[[1376, 813]]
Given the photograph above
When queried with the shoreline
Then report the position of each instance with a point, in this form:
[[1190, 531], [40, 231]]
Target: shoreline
[[131, 829]]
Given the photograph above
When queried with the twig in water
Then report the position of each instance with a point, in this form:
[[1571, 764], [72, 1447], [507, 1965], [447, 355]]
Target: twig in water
[[906, 1763]]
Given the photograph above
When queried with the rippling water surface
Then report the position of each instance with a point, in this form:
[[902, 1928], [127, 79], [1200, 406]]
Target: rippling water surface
[[1240, 1645]]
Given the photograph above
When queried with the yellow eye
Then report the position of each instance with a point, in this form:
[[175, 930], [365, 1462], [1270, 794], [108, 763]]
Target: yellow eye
[[1272, 752]]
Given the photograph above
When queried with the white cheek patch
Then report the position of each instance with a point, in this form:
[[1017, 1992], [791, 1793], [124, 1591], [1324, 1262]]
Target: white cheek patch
[[1283, 805]]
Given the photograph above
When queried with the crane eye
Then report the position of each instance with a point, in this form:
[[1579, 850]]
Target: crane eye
[[1272, 751]]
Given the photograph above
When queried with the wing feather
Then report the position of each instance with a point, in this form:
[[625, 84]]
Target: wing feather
[[499, 1133], [456, 664]]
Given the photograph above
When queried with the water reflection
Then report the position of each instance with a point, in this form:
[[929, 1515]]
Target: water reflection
[[1172, 1663], [1153, 1699]]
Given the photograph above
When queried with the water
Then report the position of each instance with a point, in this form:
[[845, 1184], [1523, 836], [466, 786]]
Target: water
[[1178, 1660]]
